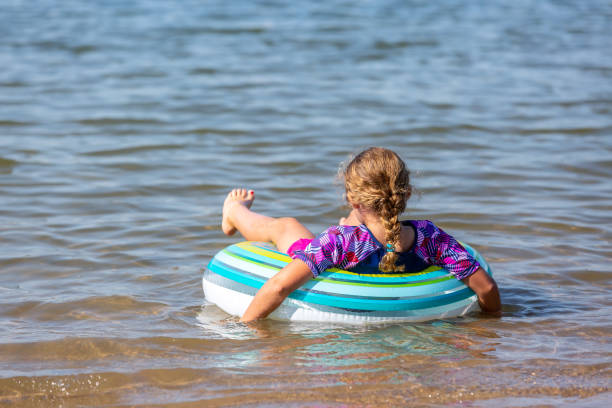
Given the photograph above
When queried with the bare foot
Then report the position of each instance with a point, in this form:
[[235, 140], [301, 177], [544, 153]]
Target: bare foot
[[238, 196]]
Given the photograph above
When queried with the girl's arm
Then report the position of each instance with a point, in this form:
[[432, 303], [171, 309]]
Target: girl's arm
[[485, 287], [276, 289]]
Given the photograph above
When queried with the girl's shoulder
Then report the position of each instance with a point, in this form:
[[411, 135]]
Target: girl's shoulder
[[426, 232], [419, 223], [358, 232], [426, 227]]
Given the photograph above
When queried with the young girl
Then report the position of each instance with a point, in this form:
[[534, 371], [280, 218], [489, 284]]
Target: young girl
[[377, 185]]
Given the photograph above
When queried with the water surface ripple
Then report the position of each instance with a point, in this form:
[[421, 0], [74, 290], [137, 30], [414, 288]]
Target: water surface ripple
[[124, 124]]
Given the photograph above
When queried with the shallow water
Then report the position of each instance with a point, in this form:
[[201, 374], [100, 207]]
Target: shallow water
[[123, 126]]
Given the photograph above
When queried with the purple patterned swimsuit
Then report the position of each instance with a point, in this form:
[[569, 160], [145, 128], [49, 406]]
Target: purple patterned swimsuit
[[356, 249]]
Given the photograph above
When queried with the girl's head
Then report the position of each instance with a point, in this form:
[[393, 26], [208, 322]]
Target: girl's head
[[378, 179]]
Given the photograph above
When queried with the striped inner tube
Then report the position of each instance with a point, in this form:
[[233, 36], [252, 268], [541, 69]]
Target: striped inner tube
[[252, 263]]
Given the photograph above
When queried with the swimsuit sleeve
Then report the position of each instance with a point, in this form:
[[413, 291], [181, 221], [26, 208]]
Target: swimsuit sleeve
[[441, 249], [339, 246]]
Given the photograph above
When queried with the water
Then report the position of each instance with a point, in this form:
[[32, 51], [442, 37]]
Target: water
[[123, 126]]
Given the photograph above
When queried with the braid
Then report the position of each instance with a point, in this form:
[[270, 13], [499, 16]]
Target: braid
[[390, 211], [378, 178]]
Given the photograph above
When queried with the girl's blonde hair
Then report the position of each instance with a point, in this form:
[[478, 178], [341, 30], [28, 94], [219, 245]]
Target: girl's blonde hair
[[378, 179]]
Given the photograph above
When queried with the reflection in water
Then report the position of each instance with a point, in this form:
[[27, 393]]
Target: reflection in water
[[334, 348], [363, 350]]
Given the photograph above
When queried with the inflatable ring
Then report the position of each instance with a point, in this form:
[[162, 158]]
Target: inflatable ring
[[236, 273]]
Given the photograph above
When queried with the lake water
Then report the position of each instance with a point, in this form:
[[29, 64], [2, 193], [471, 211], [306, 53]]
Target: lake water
[[123, 125]]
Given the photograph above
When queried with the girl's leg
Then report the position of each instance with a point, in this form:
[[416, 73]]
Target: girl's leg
[[257, 227]]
